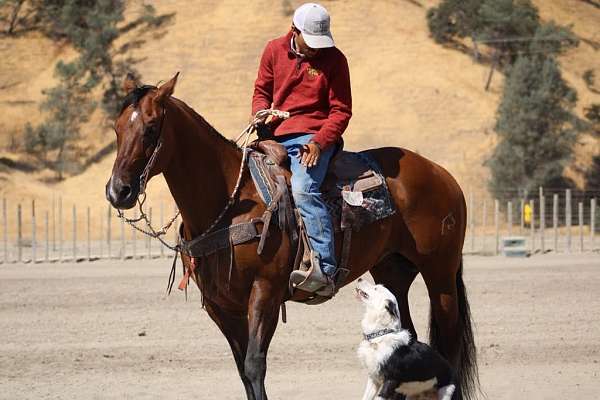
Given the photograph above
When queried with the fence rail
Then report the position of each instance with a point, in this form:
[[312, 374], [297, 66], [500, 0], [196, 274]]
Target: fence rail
[[76, 236], [573, 226], [550, 222]]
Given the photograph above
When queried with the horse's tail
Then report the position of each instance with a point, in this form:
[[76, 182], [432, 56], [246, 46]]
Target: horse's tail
[[468, 376]]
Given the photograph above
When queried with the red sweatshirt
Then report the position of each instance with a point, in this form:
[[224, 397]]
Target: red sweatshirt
[[315, 91]]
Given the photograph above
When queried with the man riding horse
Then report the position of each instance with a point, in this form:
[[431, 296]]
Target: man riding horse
[[305, 74]]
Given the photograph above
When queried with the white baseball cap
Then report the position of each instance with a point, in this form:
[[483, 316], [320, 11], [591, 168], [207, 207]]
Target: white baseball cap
[[313, 21]]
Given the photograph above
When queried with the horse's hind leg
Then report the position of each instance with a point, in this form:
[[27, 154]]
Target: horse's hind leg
[[235, 329], [397, 273], [450, 330], [441, 286]]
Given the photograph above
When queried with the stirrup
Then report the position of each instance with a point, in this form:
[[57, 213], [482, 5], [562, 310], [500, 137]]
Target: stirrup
[[313, 280]]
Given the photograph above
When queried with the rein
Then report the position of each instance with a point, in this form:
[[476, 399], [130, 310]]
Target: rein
[[259, 117]]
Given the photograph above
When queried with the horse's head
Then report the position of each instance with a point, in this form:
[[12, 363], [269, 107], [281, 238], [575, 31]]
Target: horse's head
[[139, 128]]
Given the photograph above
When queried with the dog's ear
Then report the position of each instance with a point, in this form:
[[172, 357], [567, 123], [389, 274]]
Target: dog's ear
[[391, 308]]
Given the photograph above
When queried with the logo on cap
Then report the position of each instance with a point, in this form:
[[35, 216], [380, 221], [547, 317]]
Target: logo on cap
[[317, 27]]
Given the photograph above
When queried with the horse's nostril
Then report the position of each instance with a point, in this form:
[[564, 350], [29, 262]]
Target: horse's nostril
[[125, 191]]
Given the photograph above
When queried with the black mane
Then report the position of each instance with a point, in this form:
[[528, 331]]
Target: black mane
[[135, 96]]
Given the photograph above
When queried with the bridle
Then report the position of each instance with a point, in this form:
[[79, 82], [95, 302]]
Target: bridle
[[141, 199]]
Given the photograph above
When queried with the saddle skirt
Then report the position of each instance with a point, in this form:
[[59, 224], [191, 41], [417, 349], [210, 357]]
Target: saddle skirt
[[354, 189]]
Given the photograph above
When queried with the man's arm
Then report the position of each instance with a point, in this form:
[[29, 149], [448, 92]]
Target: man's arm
[[340, 106], [263, 86]]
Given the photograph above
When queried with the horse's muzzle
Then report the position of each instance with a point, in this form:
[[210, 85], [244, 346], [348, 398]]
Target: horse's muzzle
[[120, 194]]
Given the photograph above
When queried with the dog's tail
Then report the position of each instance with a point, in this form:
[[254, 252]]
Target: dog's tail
[[468, 376]]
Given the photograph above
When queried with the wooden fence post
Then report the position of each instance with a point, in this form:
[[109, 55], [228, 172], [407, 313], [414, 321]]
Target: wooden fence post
[[532, 225], [555, 220], [134, 236], [509, 217], [484, 225], [592, 223], [497, 225], [175, 231], [470, 219], [60, 229], [5, 230], [108, 233], [568, 218], [542, 223], [123, 242], [54, 223], [580, 212], [33, 234], [74, 233], [162, 223], [101, 249], [89, 233], [522, 216], [47, 236], [149, 241], [19, 235]]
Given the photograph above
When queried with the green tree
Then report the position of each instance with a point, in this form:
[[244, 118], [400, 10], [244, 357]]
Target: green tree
[[592, 176], [11, 15], [92, 28], [536, 126], [507, 26], [453, 18], [68, 107]]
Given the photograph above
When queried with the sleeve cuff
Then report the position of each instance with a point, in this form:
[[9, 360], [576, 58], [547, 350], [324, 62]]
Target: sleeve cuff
[[322, 141]]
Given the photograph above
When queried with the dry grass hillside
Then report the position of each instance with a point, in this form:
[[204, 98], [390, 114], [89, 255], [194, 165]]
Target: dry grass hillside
[[407, 90]]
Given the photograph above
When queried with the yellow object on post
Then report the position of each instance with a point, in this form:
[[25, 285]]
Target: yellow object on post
[[527, 214]]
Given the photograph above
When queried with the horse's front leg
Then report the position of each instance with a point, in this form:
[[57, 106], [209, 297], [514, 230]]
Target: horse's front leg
[[263, 314], [235, 329]]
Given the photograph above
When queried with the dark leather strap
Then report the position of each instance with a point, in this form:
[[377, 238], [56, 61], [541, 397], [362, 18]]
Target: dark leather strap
[[220, 239]]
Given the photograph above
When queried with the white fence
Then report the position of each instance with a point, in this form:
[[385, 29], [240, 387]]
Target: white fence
[[559, 221], [76, 234], [57, 233]]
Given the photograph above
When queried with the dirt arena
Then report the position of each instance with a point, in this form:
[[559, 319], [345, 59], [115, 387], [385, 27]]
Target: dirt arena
[[104, 330]]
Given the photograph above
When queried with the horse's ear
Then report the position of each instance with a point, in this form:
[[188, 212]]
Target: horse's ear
[[130, 83], [166, 90]]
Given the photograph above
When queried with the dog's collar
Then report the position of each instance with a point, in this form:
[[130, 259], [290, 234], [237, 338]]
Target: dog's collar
[[376, 334]]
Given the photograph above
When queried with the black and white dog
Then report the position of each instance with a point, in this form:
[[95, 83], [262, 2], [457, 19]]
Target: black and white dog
[[398, 365]]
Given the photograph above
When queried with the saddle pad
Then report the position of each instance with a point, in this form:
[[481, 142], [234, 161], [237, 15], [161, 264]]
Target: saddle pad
[[359, 173]]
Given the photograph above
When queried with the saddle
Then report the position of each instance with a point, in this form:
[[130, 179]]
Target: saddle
[[354, 191]]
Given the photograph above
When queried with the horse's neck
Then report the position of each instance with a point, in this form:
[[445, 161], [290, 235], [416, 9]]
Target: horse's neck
[[203, 169]]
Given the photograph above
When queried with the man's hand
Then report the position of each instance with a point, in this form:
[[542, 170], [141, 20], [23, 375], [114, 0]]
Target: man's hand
[[310, 154], [267, 120]]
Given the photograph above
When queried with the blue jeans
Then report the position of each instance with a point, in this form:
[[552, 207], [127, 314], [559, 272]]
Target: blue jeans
[[306, 190]]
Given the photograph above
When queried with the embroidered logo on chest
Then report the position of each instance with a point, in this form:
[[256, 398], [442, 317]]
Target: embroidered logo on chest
[[313, 72]]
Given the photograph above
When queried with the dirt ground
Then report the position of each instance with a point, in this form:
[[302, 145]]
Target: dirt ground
[[104, 330]]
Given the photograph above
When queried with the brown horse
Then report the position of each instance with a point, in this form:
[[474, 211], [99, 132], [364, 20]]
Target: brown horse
[[201, 168]]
